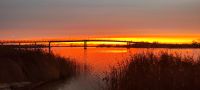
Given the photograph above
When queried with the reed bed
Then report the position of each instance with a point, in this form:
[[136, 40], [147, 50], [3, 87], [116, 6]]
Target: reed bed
[[149, 71], [34, 65]]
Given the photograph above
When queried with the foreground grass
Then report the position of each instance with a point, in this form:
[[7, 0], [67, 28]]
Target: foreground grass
[[147, 71], [33, 65]]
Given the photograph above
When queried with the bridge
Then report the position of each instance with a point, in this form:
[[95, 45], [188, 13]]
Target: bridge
[[50, 42]]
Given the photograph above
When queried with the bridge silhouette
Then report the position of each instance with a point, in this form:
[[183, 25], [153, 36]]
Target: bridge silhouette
[[49, 42]]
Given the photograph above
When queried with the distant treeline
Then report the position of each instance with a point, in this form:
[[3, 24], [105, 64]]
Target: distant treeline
[[154, 45], [161, 45]]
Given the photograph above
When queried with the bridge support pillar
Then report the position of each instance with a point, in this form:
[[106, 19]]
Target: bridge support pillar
[[49, 47], [85, 44], [35, 45], [128, 44], [19, 45]]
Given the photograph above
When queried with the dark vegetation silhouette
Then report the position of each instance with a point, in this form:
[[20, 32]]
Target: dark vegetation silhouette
[[194, 44], [34, 65], [148, 71]]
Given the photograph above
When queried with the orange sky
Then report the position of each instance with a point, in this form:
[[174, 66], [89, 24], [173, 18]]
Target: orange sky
[[145, 38], [165, 21]]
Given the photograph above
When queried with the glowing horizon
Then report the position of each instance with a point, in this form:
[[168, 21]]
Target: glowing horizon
[[159, 39]]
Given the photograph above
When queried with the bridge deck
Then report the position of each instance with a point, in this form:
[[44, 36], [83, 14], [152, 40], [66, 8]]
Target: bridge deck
[[47, 41]]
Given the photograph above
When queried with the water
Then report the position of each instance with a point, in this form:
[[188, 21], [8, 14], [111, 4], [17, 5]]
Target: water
[[100, 60]]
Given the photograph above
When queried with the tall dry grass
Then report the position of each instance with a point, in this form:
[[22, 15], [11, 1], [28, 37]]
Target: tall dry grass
[[149, 71], [33, 65]]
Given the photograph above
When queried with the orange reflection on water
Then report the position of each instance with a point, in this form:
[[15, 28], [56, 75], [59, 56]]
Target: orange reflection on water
[[113, 51], [101, 59]]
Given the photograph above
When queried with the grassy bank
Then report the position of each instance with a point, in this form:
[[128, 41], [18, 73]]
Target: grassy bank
[[147, 71], [33, 65]]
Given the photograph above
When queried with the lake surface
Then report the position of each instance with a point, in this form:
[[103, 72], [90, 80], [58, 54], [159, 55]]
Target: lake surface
[[100, 60]]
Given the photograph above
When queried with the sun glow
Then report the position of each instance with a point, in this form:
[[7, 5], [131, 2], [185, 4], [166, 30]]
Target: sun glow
[[151, 39], [171, 40]]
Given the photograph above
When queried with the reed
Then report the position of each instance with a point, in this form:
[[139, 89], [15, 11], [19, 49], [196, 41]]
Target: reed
[[149, 71], [34, 65]]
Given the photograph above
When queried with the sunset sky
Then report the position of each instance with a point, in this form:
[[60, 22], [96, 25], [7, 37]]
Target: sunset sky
[[64, 19]]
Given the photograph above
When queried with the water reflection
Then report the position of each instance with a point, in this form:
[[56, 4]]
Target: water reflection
[[100, 59], [85, 60]]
